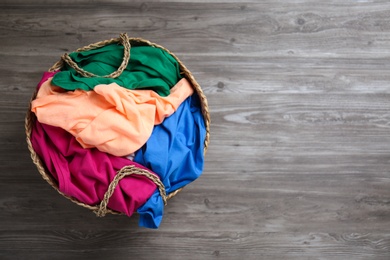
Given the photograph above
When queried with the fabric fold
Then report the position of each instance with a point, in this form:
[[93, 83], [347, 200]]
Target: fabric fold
[[111, 118], [148, 68], [85, 174], [174, 152]]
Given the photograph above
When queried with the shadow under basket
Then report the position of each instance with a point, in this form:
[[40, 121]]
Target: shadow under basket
[[101, 208]]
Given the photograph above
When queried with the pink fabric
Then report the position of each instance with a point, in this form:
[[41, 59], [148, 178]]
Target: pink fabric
[[111, 118], [46, 75], [86, 173]]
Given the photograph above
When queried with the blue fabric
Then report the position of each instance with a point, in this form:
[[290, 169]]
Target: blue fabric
[[175, 153]]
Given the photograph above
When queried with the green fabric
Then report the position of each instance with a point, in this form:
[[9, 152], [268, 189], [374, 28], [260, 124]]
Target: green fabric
[[148, 68]]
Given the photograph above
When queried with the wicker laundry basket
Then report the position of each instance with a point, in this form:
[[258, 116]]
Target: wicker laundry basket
[[101, 209]]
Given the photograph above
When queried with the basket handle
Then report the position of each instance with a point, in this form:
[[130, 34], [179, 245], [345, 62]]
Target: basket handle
[[125, 171], [123, 39]]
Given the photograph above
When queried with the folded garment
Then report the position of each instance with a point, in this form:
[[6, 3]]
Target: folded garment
[[85, 174], [111, 118], [174, 152], [149, 67]]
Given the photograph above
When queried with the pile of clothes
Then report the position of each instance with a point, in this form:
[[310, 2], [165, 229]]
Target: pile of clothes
[[88, 128]]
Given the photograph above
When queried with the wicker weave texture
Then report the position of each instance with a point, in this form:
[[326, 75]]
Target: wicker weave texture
[[127, 42]]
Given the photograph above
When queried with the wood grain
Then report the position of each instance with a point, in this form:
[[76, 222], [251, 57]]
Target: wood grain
[[299, 161]]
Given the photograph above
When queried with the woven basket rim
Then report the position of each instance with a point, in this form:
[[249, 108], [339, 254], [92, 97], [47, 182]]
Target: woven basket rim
[[30, 118]]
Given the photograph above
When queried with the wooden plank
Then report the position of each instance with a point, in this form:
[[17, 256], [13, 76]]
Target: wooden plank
[[316, 28], [263, 202], [207, 245], [298, 165], [237, 74], [301, 49]]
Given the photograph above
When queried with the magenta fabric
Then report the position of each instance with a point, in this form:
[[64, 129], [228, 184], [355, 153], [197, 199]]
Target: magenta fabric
[[46, 75], [85, 174]]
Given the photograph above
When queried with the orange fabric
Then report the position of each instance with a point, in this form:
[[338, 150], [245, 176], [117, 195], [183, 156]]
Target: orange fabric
[[111, 118]]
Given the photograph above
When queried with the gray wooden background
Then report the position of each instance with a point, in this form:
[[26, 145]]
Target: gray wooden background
[[299, 161]]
